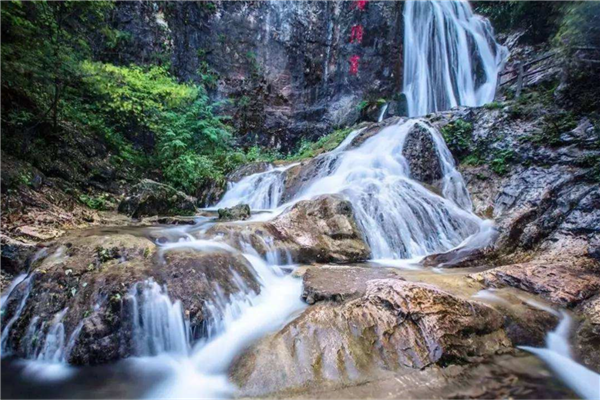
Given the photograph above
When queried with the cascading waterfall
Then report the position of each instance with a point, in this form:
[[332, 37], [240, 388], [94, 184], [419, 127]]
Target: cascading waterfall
[[450, 56], [400, 218], [20, 289], [234, 323]]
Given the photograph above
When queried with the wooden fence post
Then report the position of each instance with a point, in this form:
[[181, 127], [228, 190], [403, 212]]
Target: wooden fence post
[[519, 79]]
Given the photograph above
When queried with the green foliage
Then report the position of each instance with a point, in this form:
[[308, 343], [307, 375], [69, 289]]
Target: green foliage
[[362, 105], [102, 202], [146, 116], [540, 22], [501, 161], [494, 105], [326, 143], [42, 46], [580, 25], [458, 136]]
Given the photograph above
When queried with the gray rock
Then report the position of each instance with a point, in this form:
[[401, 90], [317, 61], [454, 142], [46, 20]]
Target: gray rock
[[421, 155], [149, 198]]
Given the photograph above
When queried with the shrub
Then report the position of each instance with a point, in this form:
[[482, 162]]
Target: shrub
[[458, 137]]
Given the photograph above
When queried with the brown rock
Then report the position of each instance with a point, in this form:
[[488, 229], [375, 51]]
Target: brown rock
[[318, 230], [90, 277], [562, 283], [587, 337], [421, 154], [340, 283], [396, 324]]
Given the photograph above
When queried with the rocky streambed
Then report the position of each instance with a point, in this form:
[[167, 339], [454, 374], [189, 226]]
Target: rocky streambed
[[289, 302]]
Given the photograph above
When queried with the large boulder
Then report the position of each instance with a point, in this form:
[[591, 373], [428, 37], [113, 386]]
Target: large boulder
[[318, 230], [395, 325], [15, 254], [587, 336], [86, 285], [248, 169], [149, 198]]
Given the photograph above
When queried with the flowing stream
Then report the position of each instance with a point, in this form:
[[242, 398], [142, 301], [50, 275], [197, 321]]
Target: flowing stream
[[450, 56]]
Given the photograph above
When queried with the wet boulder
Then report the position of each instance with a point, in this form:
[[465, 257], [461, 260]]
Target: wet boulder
[[248, 169], [240, 212], [86, 291], [149, 198], [394, 325], [323, 230], [15, 254], [318, 230], [422, 157]]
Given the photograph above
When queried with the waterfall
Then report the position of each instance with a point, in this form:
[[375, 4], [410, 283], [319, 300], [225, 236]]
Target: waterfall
[[158, 324], [557, 354], [264, 190], [450, 56], [21, 289], [260, 191], [233, 324], [399, 217]]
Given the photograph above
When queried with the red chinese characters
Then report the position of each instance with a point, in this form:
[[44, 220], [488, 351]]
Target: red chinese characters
[[359, 4], [354, 60], [356, 34]]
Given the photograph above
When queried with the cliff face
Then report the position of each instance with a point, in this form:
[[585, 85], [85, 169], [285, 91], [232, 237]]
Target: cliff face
[[288, 70]]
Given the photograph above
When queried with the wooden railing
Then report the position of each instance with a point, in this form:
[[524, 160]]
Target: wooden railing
[[522, 71]]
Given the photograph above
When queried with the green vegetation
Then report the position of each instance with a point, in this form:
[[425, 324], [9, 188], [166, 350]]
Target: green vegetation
[[494, 105], [54, 86], [103, 202], [458, 136], [326, 143], [538, 22], [501, 161]]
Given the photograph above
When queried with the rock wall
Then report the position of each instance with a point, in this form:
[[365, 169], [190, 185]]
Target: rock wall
[[284, 67]]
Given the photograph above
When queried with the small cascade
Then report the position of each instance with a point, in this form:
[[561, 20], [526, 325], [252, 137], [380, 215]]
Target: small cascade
[[450, 56], [235, 322], [260, 191], [454, 187], [264, 190], [158, 324], [558, 356], [20, 290], [400, 218], [382, 113]]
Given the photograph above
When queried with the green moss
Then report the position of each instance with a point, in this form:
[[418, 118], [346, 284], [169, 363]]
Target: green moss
[[102, 202], [459, 137]]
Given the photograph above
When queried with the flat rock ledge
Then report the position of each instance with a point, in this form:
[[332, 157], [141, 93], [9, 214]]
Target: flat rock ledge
[[562, 283]]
